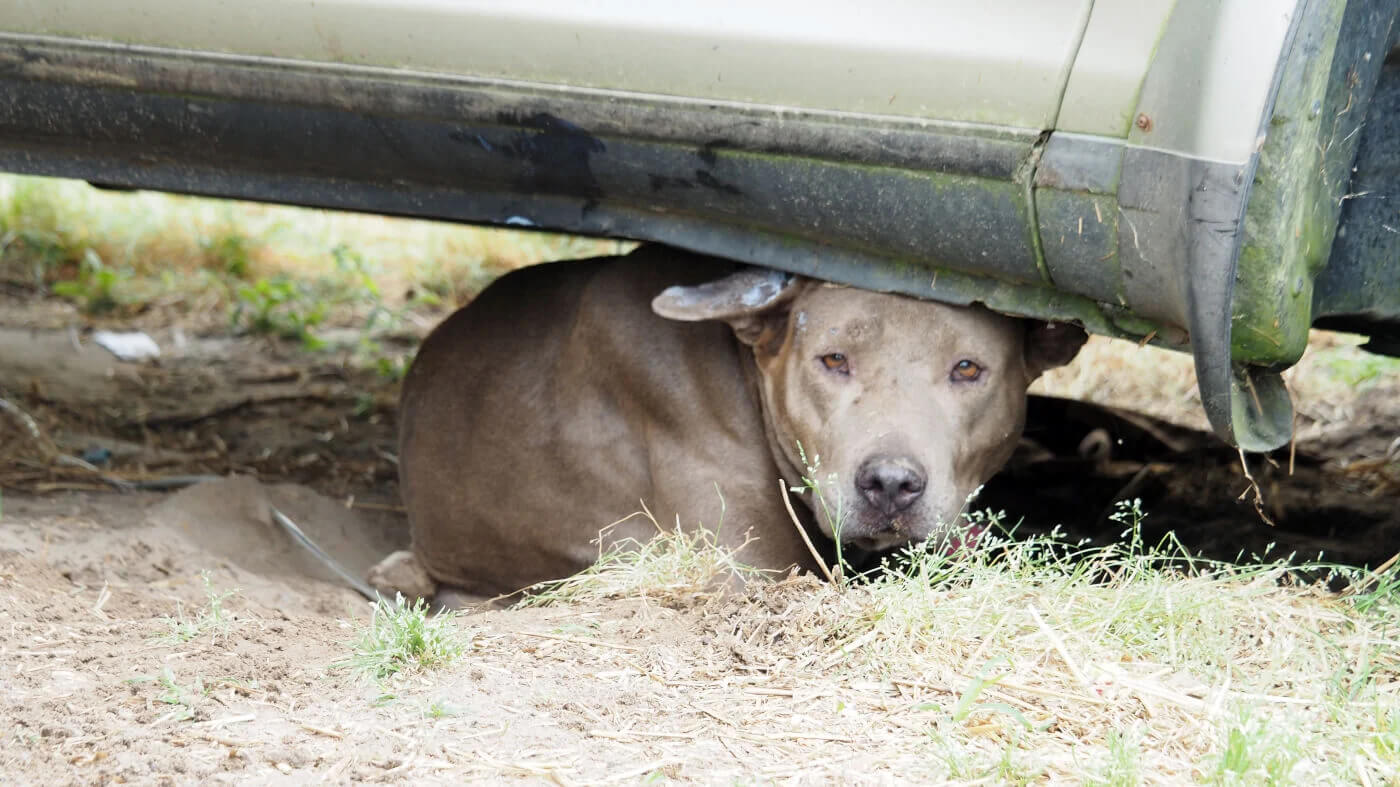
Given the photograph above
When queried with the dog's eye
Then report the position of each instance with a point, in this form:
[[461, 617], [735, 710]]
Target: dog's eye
[[965, 371], [836, 362]]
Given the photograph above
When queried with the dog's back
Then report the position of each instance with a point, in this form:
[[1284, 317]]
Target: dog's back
[[555, 403]]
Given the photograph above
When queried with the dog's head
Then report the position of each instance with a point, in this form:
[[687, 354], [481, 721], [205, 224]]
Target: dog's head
[[910, 405]]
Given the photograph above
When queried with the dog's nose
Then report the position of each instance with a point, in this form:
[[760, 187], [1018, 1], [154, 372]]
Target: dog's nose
[[890, 484]]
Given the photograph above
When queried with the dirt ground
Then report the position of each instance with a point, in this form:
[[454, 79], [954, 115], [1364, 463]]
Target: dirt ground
[[94, 689]]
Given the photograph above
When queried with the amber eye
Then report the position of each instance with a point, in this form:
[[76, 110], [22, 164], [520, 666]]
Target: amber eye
[[965, 371], [836, 362]]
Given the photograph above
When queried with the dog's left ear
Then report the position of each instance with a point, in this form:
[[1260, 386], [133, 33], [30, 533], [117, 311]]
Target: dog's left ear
[[754, 301], [1051, 344]]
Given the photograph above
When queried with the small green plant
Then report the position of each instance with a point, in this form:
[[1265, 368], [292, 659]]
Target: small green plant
[[1129, 513], [1376, 592], [968, 704], [834, 511], [35, 229], [1386, 739], [96, 285], [402, 636], [230, 252], [441, 709], [212, 619], [353, 265], [172, 693], [1256, 751], [1122, 768], [279, 306], [391, 368], [1362, 368], [43, 253]]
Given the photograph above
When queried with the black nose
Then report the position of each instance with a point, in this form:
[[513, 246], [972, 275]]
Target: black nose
[[891, 484]]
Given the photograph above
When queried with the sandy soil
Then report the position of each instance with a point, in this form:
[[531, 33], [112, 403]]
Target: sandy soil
[[94, 691], [611, 693]]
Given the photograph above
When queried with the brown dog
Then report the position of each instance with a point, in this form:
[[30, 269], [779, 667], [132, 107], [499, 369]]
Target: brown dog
[[567, 392]]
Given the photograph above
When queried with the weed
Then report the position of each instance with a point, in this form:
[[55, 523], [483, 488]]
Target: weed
[[835, 512], [392, 368], [357, 272], [1386, 739], [230, 252], [1122, 767], [441, 709], [365, 404], [271, 270], [1256, 751], [172, 693], [967, 703], [1359, 369], [96, 285], [1001, 767], [35, 229], [279, 306], [212, 619], [673, 563], [403, 636], [1008, 770], [1376, 592]]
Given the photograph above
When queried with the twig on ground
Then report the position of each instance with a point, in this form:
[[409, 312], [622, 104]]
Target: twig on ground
[[578, 641], [359, 585], [247, 717], [395, 771], [632, 735], [1254, 487], [320, 730], [1059, 646], [1372, 577], [31, 426], [802, 531], [639, 771]]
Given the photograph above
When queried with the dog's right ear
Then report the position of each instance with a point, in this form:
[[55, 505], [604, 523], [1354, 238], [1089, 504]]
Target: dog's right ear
[[754, 301]]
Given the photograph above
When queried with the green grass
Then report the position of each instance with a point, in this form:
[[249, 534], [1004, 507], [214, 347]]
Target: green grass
[[825, 492], [1121, 767], [1039, 658], [1357, 368], [404, 637], [1241, 650], [116, 253], [183, 698], [210, 619]]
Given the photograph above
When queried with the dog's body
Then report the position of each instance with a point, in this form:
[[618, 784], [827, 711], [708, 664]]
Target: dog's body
[[559, 399]]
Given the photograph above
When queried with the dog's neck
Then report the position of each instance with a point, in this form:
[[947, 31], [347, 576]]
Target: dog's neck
[[788, 470]]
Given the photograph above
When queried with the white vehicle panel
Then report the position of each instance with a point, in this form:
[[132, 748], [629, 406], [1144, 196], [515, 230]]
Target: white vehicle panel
[[1119, 44], [1001, 62], [1213, 78]]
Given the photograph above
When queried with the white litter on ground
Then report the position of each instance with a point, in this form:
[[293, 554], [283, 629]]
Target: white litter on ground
[[135, 346]]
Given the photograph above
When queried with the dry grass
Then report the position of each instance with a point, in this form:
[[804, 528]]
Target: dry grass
[[1161, 382], [1019, 661], [1037, 660], [161, 248], [676, 567]]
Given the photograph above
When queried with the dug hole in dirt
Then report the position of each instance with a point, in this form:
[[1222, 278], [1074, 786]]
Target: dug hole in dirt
[[99, 687]]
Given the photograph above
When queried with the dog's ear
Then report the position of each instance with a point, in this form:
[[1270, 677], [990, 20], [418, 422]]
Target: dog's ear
[[1051, 344], [754, 301]]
